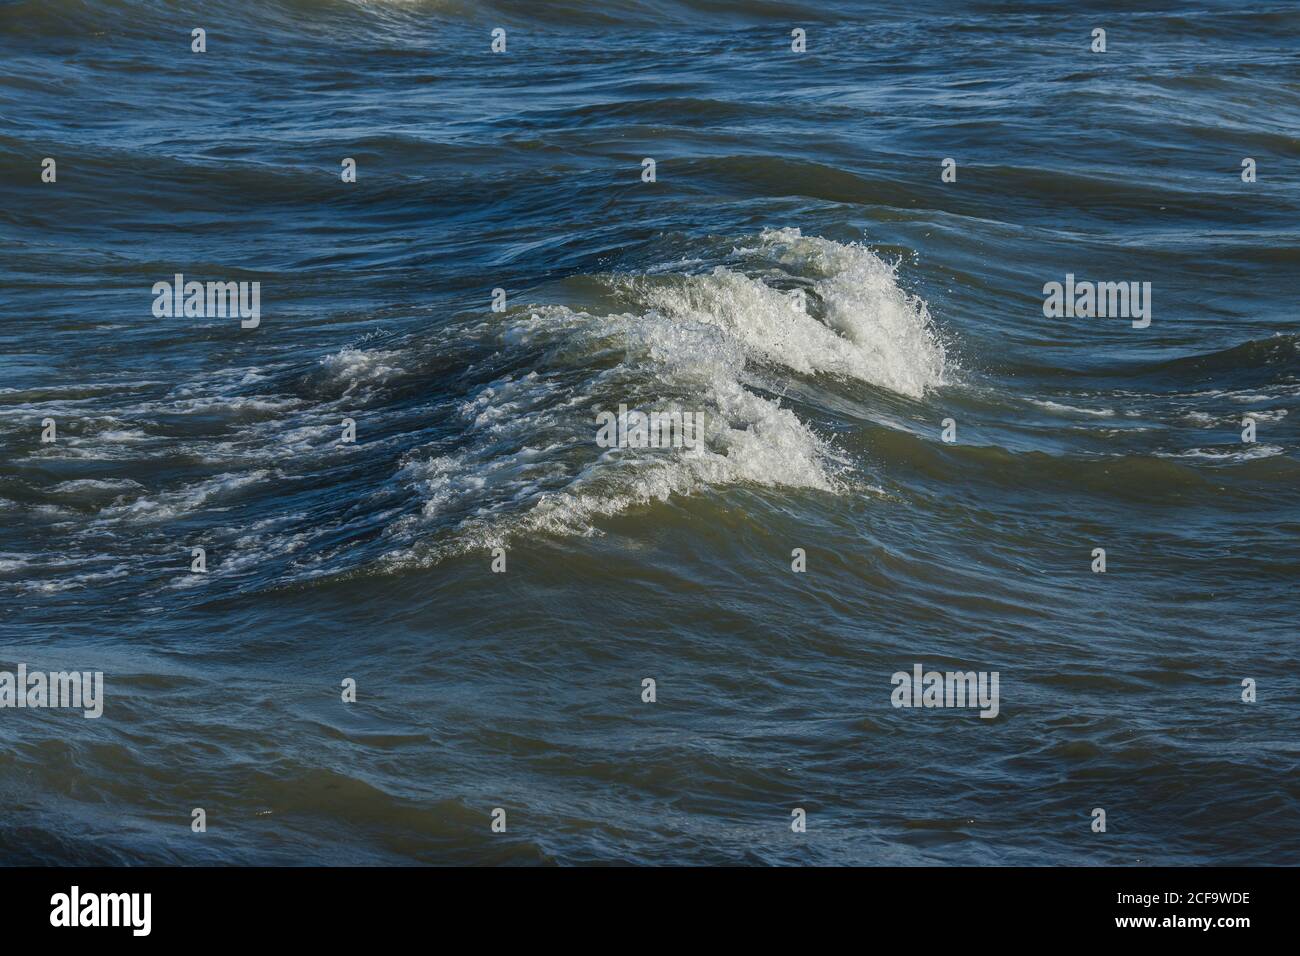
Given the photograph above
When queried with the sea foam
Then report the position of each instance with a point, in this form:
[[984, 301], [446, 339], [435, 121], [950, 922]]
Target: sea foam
[[714, 342]]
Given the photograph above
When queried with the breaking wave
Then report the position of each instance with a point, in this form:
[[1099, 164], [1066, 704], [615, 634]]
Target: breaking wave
[[722, 342]]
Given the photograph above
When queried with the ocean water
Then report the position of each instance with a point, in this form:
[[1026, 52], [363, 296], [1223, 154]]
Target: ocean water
[[799, 272]]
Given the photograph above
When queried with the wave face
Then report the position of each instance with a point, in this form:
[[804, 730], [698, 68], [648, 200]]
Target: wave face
[[800, 277]]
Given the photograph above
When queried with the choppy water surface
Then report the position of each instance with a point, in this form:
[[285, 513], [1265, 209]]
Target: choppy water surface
[[780, 176]]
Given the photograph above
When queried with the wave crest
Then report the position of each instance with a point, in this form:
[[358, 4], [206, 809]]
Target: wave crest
[[721, 342]]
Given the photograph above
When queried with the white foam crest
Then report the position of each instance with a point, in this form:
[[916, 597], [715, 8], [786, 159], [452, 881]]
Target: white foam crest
[[1219, 454], [526, 460], [531, 463], [1061, 409], [870, 329], [97, 487], [353, 366], [69, 582], [170, 504], [772, 448], [11, 561]]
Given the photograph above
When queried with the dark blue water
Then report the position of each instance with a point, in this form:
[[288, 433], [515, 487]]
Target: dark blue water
[[799, 272]]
